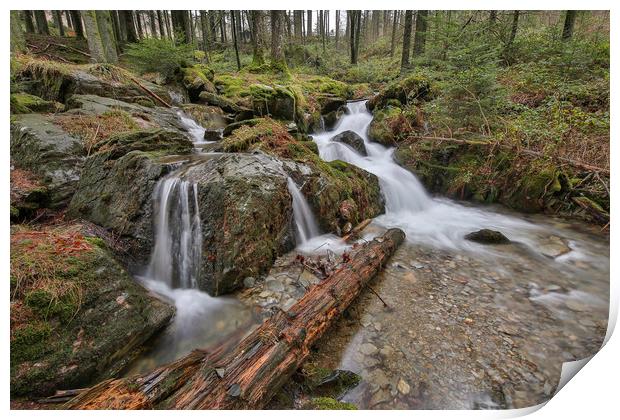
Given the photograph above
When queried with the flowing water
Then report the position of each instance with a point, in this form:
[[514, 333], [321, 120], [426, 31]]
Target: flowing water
[[306, 226]]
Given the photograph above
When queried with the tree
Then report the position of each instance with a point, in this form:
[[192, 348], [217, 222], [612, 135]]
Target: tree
[[204, 26], [337, 26], [419, 41], [58, 22], [127, 22], [153, 23], [569, 25], [95, 45], [42, 28], [160, 22], [309, 22], [29, 20], [513, 30], [404, 61], [18, 42], [277, 53], [234, 28], [106, 33], [258, 55], [76, 18], [181, 26], [394, 31]]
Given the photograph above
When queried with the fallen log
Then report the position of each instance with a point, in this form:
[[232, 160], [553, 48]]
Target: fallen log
[[355, 232], [248, 376]]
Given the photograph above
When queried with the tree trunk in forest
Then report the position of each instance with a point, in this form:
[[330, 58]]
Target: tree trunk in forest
[[76, 18], [127, 22], [106, 33], [137, 15], [569, 25], [29, 20], [212, 26], [277, 54], [58, 22], [309, 30], [95, 44], [42, 28], [404, 60], [223, 26], [160, 23], [234, 27], [181, 27], [118, 32], [358, 27], [258, 53], [419, 42], [168, 24], [337, 27], [204, 26], [297, 24], [515, 25], [248, 375], [153, 23], [18, 41], [394, 32]]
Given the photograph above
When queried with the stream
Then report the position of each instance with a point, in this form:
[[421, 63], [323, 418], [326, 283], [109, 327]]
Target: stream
[[466, 325]]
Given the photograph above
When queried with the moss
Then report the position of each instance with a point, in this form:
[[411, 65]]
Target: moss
[[29, 342], [412, 89], [24, 103], [155, 140], [326, 403], [380, 129]]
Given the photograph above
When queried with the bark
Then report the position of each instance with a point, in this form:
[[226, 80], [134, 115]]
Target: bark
[[277, 53], [118, 33], [212, 25], [297, 24], [337, 27], [18, 41], [126, 18], [204, 26], [234, 27], [58, 22], [28, 18], [168, 25], [249, 375], [515, 26], [394, 31], [258, 55], [160, 23], [421, 24], [106, 33], [153, 23], [76, 18], [95, 45], [404, 60], [41, 19], [569, 25], [137, 15], [181, 27], [309, 22]]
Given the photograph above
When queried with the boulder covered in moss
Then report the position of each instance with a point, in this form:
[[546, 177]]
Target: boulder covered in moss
[[48, 151], [207, 116], [351, 139], [196, 79], [24, 103], [117, 182], [380, 129], [220, 101], [412, 89], [275, 101], [77, 317], [240, 238]]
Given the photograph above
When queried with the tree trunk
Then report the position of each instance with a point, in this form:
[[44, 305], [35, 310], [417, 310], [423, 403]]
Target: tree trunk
[[337, 27], [95, 44], [128, 26], [404, 60], [106, 33], [234, 27], [153, 23], [168, 24], [136, 15], [419, 42], [394, 31], [42, 28], [258, 55], [204, 26], [223, 26], [277, 54], [309, 29], [76, 17], [160, 24], [118, 32], [249, 375], [212, 25], [569, 25], [18, 41], [58, 22], [29, 20]]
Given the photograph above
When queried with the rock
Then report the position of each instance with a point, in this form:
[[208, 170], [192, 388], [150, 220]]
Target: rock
[[331, 119], [414, 88], [334, 384], [368, 349], [54, 156], [275, 101], [249, 282], [577, 306], [75, 344], [380, 129], [351, 139], [274, 285], [386, 351], [233, 126], [403, 387], [487, 236], [554, 246], [24, 103], [196, 79], [213, 134], [116, 185], [220, 101], [329, 104]]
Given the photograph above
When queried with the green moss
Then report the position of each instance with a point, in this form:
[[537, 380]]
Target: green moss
[[24, 103], [326, 403], [29, 342]]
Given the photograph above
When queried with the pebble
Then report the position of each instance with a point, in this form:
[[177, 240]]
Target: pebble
[[368, 349], [576, 306], [274, 285], [249, 282], [403, 387]]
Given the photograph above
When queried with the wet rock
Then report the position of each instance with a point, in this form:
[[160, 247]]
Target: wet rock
[[333, 384], [403, 387], [554, 246], [249, 282], [351, 139], [54, 156], [274, 285], [368, 349], [213, 134], [275, 101], [329, 104], [577, 306], [331, 119], [487, 236]]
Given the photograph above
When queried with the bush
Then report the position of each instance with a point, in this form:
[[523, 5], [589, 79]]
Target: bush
[[159, 55]]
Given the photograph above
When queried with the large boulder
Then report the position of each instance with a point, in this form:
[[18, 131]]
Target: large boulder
[[411, 90], [380, 129], [48, 151], [276, 101], [351, 139], [116, 186], [77, 316], [240, 238]]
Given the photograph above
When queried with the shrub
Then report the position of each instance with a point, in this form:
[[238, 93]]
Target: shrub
[[159, 55]]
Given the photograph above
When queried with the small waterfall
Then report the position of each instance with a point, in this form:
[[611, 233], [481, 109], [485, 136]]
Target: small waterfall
[[305, 223], [175, 259]]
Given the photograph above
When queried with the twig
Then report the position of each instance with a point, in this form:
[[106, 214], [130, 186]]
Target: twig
[[377, 295], [150, 92]]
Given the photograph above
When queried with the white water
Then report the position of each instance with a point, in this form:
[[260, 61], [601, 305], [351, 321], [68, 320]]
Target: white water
[[196, 131], [438, 222], [306, 226], [175, 259]]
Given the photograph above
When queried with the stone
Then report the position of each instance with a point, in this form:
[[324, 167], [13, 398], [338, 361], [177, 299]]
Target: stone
[[275, 101], [554, 246], [368, 349], [487, 236], [352, 140], [403, 387], [274, 285], [249, 282]]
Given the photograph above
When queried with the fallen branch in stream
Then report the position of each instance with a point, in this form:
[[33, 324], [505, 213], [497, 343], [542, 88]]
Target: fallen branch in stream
[[249, 375], [356, 231]]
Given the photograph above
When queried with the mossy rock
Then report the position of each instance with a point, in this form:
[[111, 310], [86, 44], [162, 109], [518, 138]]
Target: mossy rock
[[326, 403], [276, 101], [82, 317], [413, 89], [380, 130], [24, 103], [209, 117], [487, 236], [196, 79]]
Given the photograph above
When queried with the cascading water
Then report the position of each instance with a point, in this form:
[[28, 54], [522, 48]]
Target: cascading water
[[438, 222], [306, 226], [196, 132], [175, 259]]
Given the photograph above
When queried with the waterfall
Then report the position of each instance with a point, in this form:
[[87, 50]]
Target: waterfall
[[175, 259], [305, 223]]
